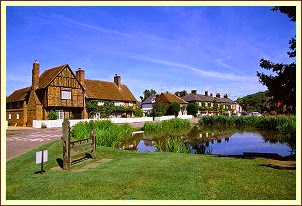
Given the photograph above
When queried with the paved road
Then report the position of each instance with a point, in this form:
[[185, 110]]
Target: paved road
[[19, 141]]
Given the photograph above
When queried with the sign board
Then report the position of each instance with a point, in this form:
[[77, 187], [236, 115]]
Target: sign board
[[39, 156]]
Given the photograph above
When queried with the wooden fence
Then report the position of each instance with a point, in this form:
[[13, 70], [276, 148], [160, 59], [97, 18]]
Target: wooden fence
[[76, 150]]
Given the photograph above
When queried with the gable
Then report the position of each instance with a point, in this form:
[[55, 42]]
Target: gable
[[65, 78]]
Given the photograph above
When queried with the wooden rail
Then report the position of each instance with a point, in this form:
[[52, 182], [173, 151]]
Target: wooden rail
[[73, 151]]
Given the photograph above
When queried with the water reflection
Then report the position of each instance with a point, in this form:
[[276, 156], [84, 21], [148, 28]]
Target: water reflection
[[218, 141]]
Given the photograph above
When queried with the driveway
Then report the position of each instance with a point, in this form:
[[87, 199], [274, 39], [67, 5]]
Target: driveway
[[21, 140]]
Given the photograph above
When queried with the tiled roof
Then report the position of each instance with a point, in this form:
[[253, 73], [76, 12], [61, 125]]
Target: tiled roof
[[200, 98], [150, 99], [18, 95], [48, 75], [224, 100], [103, 90], [168, 98]]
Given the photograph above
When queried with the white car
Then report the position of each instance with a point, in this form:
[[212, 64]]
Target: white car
[[255, 114]]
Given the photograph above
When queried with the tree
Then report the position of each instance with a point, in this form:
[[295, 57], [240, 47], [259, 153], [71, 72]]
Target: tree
[[253, 102], [138, 112], [181, 93], [282, 85], [92, 107], [173, 109], [159, 109], [147, 93], [192, 108]]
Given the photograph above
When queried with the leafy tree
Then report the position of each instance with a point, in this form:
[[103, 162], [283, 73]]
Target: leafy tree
[[253, 102], [192, 108], [173, 109], [159, 109], [138, 112], [147, 93], [181, 93], [282, 85], [92, 107], [52, 115]]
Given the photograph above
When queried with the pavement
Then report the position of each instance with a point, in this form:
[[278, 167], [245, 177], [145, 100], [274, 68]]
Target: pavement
[[22, 139]]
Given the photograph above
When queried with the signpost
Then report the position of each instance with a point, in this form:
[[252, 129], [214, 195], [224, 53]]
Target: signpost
[[41, 157]]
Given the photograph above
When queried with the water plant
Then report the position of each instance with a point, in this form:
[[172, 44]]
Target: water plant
[[107, 133]]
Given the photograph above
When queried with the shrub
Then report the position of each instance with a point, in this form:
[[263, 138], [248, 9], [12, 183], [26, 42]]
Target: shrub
[[172, 144], [43, 126], [192, 108], [159, 109], [138, 112], [52, 115]]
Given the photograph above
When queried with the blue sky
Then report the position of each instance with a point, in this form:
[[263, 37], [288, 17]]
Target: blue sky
[[165, 48]]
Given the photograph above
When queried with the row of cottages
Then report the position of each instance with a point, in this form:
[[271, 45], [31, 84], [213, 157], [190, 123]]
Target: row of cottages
[[209, 101], [164, 98], [61, 90]]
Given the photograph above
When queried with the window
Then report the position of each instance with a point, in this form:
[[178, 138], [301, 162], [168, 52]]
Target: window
[[60, 114], [100, 103], [119, 104], [17, 116], [206, 104], [65, 94], [9, 116], [130, 104]]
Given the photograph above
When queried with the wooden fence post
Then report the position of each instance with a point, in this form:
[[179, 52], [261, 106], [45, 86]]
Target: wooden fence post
[[66, 144], [93, 137]]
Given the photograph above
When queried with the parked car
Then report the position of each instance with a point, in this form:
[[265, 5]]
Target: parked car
[[255, 114]]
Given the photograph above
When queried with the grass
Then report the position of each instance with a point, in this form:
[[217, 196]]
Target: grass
[[279, 123], [160, 175], [107, 133]]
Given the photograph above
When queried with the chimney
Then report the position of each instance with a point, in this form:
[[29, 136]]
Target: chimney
[[218, 95], [194, 91], [80, 74], [211, 95], [225, 96], [206, 93], [35, 75], [117, 80]]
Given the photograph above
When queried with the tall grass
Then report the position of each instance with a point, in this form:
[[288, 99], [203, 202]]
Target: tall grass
[[173, 143], [280, 123], [167, 125], [107, 133]]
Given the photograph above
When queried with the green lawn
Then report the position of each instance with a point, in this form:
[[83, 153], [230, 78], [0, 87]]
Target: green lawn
[[134, 175]]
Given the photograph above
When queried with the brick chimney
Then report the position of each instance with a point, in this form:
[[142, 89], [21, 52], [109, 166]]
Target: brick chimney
[[218, 95], [117, 80], [80, 74], [35, 75], [225, 96], [206, 93], [194, 91]]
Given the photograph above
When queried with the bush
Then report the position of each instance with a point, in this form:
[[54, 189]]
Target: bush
[[159, 109], [192, 108], [107, 133], [138, 112], [52, 115], [172, 144], [43, 126]]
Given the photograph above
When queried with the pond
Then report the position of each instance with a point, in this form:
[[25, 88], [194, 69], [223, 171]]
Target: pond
[[215, 141]]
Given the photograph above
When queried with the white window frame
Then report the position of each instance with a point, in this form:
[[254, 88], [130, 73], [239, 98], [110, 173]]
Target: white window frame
[[60, 114], [65, 94], [130, 104], [101, 103], [9, 116], [17, 116]]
